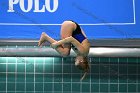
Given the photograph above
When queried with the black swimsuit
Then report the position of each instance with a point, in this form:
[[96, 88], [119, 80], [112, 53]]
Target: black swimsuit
[[77, 33]]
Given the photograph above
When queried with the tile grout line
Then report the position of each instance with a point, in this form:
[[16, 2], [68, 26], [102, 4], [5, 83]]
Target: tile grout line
[[16, 76], [71, 76], [62, 75], [25, 74], [99, 75], [90, 74], [6, 74], [137, 76], [118, 74], [73, 82], [109, 78], [43, 74], [127, 75], [34, 75], [53, 77]]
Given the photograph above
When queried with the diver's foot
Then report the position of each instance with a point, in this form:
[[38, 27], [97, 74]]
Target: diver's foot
[[42, 39]]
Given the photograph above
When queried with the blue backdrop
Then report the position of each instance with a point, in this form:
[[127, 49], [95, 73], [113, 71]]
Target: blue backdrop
[[98, 18]]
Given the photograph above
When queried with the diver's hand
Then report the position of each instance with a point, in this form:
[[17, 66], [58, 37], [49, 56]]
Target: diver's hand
[[54, 45]]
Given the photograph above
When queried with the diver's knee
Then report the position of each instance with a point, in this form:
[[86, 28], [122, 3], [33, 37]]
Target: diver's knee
[[69, 23]]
